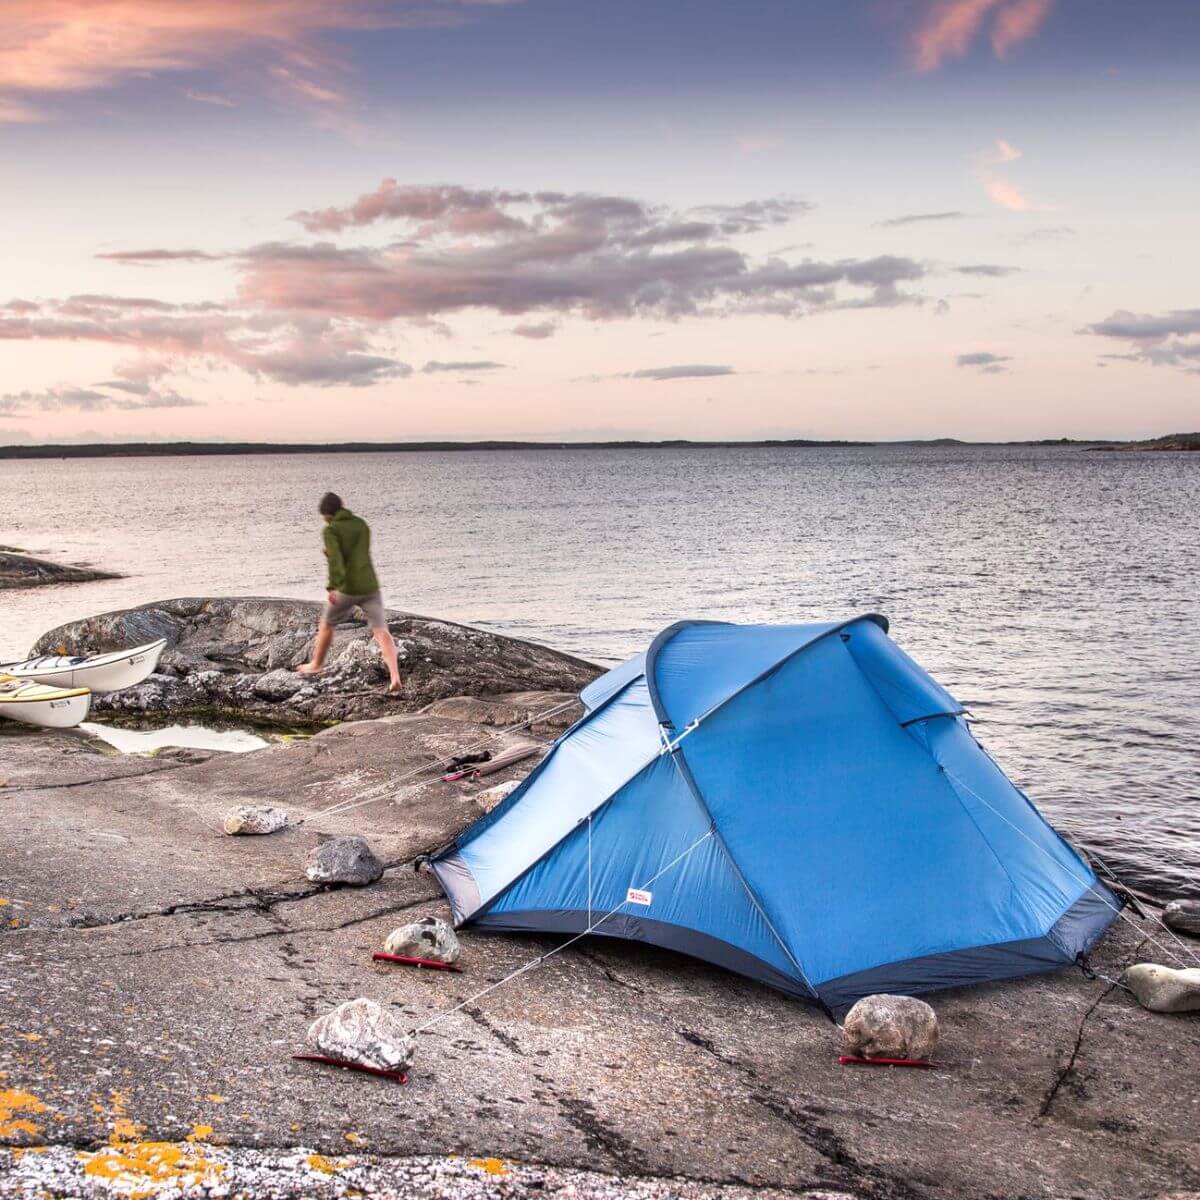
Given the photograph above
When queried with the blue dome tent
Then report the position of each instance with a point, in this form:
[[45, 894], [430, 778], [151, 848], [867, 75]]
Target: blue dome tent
[[802, 804]]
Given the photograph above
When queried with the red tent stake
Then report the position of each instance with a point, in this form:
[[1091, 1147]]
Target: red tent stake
[[404, 960], [850, 1060], [395, 1076]]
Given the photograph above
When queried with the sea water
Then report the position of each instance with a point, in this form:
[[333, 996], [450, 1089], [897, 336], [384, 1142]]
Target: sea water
[[1053, 590]]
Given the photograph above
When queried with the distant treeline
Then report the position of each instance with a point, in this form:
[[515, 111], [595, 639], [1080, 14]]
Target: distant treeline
[[170, 449], [173, 449]]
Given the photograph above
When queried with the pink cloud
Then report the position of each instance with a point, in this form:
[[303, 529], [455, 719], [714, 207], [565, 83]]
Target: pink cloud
[[1017, 23], [62, 46], [949, 27]]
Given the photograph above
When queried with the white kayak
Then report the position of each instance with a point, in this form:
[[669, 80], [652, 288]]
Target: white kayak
[[98, 672], [37, 704]]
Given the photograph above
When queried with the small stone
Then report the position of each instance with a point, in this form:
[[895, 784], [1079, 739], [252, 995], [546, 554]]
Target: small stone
[[362, 1032], [1163, 989], [254, 818], [487, 800], [890, 1027], [1183, 916], [277, 685], [429, 938], [344, 860]]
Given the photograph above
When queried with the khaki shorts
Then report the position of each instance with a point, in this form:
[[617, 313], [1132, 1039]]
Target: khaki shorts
[[371, 606]]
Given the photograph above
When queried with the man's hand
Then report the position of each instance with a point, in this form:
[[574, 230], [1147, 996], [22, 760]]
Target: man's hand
[[333, 597]]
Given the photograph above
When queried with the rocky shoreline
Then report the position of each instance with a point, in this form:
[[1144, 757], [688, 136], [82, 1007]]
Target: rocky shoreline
[[156, 977], [236, 658], [21, 571]]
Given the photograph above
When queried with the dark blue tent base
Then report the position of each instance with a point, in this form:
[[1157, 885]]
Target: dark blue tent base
[[1075, 933]]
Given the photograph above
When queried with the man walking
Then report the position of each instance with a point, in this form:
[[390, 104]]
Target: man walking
[[352, 584]]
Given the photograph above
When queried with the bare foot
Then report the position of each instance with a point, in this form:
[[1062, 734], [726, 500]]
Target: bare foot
[[309, 669], [396, 689]]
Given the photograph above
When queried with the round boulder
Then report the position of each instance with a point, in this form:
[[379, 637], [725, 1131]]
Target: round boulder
[[429, 938], [344, 860], [363, 1033], [1163, 989], [890, 1027], [1183, 916]]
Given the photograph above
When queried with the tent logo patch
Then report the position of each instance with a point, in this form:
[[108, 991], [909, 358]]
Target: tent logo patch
[[638, 896]]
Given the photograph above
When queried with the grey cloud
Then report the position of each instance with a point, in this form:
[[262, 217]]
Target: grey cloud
[[918, 218], [1180, 322], [1171, 339], [535, 329], [989, 269], [288, 348], [57, 399], [146, 258], [756, 215], [433, 367], [983, 360], [685, 371]]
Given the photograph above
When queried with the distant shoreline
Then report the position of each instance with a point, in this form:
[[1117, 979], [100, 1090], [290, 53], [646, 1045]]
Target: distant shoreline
[[1174, 441], [179, 449]]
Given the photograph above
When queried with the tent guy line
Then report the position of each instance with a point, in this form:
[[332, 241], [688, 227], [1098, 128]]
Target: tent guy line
[[1119, 909], [541, 958]]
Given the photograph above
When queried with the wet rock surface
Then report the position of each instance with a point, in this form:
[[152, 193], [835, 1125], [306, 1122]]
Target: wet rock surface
[[890, 1027], [156, 977], [346, 860], [22, 571], [1164, 989], [361, 1032], [430, 938], [239, 656]]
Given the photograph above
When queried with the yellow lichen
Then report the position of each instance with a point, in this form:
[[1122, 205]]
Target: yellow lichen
[[492, 1166], [215, 1098], [200, 1133], [326, 1166], [13, 1101], [31, 1037], [138, 1169], [4, 902], [355, 1139]]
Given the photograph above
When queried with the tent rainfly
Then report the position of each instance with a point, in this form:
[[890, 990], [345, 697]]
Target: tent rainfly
[[802, 804]]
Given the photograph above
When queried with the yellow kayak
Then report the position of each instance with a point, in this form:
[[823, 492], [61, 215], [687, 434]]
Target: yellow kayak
[[37, 704]]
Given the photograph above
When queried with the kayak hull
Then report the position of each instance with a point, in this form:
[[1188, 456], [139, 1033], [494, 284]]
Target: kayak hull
[[98, 673], [49, 708]]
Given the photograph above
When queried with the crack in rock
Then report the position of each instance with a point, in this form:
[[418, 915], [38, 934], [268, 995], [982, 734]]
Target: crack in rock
[[609, 973], [1061, 1076]]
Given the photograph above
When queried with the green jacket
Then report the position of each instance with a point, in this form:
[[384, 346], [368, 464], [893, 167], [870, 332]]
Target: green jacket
[[348, 549]]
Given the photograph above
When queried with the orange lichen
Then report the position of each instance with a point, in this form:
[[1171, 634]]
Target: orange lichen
[[13, 1101], [138, 1169], [31, 1037], [355, 1139], [326, 1166], [200, 1133], [492, 1166], [215, 1098]]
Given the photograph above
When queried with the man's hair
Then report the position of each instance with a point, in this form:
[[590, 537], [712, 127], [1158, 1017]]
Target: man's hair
[[331, 503]]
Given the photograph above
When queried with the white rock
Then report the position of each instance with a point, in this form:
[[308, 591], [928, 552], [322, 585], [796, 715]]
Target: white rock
[[1164, 989], [890, 1027], [429, 938], [489, 798], [254, 818], [362, 1032]]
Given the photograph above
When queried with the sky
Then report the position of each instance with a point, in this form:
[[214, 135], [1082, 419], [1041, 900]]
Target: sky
[[379, 220]]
